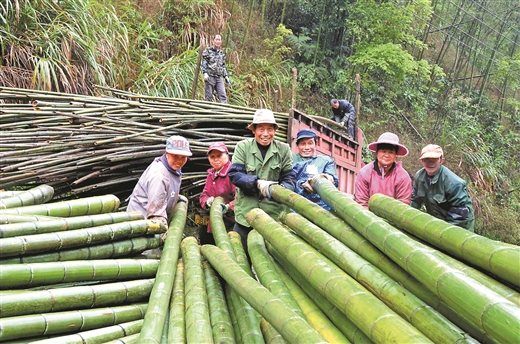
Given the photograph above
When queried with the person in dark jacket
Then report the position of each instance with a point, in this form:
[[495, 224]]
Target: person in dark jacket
[[443, 193], [307, 165], [218, 183], [344, 113], [214, 69], [257, 164]]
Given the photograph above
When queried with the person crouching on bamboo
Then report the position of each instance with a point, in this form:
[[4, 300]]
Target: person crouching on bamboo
[[384, 175], [218, 183], [307, 165], [157, 190], [257, 164]]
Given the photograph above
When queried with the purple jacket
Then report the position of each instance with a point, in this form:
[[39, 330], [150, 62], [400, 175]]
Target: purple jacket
[[219, 184], [396, 183]]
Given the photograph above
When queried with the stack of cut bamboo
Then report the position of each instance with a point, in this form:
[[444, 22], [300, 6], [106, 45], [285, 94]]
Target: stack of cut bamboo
[[70, 274], [86, 146]]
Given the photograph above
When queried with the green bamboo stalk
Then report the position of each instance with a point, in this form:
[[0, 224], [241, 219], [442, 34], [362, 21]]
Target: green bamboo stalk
[[418, 313], [198, 324], [266, 273], [177, 321], [8, 219], [312, 312], [53, 300], [240, 253], [37, 195], [131, 339], [247, 320], [271, 336], [292, 327], [30, 244], [232, 313], [48, 324], [100, 335], [29, 275], [155, 318], [221, 325], [82, 206], [7, 194], [372, 317], [476, 303], [500, 259], [64, 224], [344, 324], [114, 249]]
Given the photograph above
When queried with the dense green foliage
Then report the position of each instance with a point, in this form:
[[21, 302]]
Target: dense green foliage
[[445, 72]]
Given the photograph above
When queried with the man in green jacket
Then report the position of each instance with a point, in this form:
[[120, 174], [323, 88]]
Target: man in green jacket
[[257, 164], [442, 192]]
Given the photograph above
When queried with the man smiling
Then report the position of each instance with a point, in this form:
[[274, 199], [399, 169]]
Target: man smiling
[[257, 164], [442, 192]]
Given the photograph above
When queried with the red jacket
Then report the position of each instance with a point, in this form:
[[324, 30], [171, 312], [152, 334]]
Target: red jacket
[[219, 184], [396, 183]]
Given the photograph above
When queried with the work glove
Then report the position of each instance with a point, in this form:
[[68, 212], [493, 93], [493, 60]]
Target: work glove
[[342, 124], [225, 208], [209, 202], [227, 80], [206, 76], [263, 186]]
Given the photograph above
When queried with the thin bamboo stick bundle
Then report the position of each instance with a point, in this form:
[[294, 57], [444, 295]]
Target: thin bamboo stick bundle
[[428, 321], [476, 303], [372, 317], [221, 326], [121, 248], [100, 335], [61, 299], [31, 244], [38, 226], [84, 206], [500, 259], [292, 327], [176, 320], [198, 323], [29, 275], [48, 324], [155, 318]]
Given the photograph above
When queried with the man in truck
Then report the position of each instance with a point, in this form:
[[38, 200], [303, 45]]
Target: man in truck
[[344, 113]]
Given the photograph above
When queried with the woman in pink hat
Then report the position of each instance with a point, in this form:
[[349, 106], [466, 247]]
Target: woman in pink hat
[[384, 175], [218, 183]]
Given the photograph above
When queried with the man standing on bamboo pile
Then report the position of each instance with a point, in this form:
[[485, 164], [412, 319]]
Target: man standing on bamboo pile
[[345, 114], [258, 163], [443, 193], [384, 175], [217, 184], [214, 69], [157, 190], [307, 164]]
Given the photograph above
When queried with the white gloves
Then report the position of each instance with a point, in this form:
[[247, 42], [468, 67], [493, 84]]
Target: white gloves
[[225, 208], [342, 124], [227, 80], [209, 202], [263, 186], [206, 76]]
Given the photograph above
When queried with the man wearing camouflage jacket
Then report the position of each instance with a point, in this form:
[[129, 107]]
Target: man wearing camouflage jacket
[[214, 69]]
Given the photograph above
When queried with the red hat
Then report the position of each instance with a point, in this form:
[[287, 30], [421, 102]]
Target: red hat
[[220, 146]]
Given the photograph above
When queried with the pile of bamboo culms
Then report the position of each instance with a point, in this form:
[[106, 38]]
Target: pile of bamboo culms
[[318, 276], [85, 146]]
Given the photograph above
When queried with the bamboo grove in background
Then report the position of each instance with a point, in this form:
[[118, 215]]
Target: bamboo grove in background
[[346, 276]]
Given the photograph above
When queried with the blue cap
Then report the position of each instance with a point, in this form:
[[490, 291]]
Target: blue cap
[[306, 134]]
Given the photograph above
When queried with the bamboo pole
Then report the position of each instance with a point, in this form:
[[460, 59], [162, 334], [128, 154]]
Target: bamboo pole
[[37, 195], [500, 259], [372, 317], [478, 304], [292, 327], [176, 320]]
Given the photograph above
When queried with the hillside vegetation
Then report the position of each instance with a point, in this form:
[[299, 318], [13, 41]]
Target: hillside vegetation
[[445, 72]]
